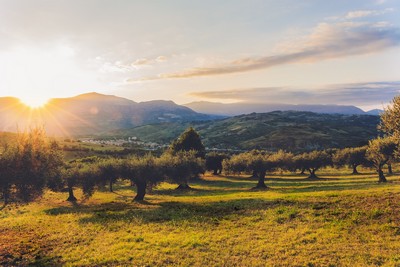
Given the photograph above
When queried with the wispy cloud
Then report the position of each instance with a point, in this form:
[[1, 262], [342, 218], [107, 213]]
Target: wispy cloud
[[119, 66], [142, 62], [326, 41], [367, 13], [348, 94]]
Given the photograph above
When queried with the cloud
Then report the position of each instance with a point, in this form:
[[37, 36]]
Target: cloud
[[367, 13], [119, 66], [142, 61], [161, 59], [147, 62], [326, 41], [346, 94]]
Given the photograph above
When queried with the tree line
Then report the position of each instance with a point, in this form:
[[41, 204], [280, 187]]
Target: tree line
[[34, 162]]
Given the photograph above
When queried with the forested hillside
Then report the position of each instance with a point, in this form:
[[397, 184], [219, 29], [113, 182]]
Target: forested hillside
[[289, 130]]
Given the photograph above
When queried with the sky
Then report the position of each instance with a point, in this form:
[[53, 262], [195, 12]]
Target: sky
[[286, 51]]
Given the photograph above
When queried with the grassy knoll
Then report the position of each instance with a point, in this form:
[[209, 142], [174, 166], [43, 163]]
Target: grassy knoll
[[343, 220]]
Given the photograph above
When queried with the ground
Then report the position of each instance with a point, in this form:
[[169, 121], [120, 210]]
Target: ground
[[343, 220]]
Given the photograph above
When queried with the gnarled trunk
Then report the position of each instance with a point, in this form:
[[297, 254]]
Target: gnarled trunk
[[71, 196], [382, 178], [355, 169], [111, 185], [183, 186], [141, 191], [303, 170], [6, 195], [312, 174], [254, 175], [215, 171], [261, 180], [390, 171]]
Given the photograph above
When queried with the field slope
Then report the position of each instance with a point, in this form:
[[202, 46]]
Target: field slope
[[340, 221]]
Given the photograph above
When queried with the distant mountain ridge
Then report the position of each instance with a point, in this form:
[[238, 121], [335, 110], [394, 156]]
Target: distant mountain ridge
[[91, 113], [234, 109], [375, 112]]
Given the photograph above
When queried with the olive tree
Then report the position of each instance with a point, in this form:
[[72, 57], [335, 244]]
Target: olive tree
[[236, 164], [109, 171], [313, 161], [352, 157], [259, 163], [141, 171], [85, 175], [390, 119], [380, 151], [214, 162], [28, 165], [181, 167]]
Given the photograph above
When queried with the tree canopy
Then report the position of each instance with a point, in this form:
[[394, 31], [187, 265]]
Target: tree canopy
[[187, 141], [28, 165], [390, 119], [380, 151], [352, 157], [313, 161]]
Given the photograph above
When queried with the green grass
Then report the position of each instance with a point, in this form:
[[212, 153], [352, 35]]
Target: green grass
[[343, 220]]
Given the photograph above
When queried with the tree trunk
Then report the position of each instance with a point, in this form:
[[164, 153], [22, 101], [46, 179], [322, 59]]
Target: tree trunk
[[219, 170], [183, 186], [261, 181], [111, 185], [382, 178], [390, 171], [303, 170], [355, 169], [312, 174], [141, 191], [254, 175], [71, 196], [215, 172], [6, 195]]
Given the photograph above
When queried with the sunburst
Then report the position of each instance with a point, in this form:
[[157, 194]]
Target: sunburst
[[34, 102]]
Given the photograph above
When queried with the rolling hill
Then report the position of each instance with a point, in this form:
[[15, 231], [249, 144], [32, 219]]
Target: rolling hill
[[91, 113], [289, 130]]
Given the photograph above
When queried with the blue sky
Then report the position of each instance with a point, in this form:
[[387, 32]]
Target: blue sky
[[298, 52]]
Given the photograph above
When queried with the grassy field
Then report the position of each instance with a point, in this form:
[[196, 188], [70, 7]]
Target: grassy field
[[342, 220]]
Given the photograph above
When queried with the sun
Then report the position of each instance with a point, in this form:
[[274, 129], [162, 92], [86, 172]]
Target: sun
[[34, 101]]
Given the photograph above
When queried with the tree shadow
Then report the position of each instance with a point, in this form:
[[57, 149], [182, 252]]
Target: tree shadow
[[330, 187], [225, 185], [204, 187], [208, 213], [302, 179]]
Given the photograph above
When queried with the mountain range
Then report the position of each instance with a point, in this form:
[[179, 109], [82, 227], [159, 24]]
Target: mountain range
[[234, 109], [95, 113], [91, 113]]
